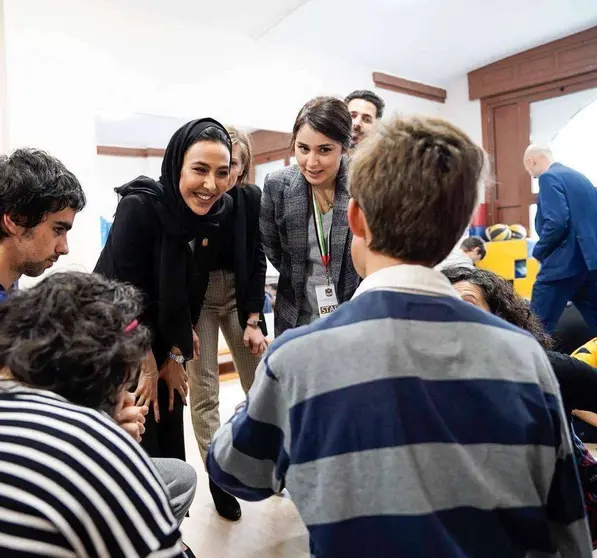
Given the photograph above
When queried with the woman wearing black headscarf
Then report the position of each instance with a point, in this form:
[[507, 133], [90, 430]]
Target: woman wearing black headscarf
[[161, 241]]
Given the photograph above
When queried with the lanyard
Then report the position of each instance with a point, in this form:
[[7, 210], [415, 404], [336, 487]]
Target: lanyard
[[324, 245]]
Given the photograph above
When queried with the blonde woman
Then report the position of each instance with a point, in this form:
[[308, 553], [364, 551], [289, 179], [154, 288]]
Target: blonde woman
[[233, 303]]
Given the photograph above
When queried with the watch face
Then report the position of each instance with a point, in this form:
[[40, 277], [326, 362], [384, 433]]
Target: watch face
[[177, 358]]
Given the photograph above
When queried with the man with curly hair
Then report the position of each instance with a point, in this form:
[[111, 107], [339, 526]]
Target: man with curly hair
[[39, 199]]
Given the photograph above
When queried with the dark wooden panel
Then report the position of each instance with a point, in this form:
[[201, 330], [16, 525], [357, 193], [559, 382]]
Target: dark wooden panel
[[414, 88], [511, 196], [571, 56]]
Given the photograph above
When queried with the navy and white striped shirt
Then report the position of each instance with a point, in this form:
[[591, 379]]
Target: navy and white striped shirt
[[409, 423], [74, 484]]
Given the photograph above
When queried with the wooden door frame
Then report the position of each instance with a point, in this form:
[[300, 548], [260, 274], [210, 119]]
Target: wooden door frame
[[523, 100], [552, 70], [269, 146]]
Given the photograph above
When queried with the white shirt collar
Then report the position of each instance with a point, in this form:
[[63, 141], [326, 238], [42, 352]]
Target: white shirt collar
[[416, 279]]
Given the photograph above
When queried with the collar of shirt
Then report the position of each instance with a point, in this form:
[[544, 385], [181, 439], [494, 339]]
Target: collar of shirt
[[8, 385], [416, 279]]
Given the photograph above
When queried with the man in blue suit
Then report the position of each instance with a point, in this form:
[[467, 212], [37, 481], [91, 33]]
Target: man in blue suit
[[566, 223]]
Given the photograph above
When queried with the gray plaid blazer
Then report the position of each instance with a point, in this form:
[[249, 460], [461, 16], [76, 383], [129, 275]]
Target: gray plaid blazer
[[285, 207]]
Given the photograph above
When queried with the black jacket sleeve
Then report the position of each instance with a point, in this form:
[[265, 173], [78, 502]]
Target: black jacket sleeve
[[578, 382], [256, 285]]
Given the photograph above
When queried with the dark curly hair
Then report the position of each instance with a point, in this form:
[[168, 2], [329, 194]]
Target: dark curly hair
[[67, 335], [33, 184], [502, 299]]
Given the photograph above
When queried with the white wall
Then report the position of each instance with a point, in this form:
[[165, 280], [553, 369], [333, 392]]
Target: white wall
[[461, 111], [91, 57], [113, 171], [4, 139]]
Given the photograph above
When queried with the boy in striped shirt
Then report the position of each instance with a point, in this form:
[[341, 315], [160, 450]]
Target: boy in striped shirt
[[393, 432], [73, 483]]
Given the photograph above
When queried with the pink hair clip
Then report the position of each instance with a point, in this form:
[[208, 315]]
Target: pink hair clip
[[132, 326]]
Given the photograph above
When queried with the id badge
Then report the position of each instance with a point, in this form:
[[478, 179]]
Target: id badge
[[326, 299]]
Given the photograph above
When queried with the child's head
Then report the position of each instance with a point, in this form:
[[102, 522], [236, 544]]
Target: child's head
[[75, 334], [414, 185], [474, 247]]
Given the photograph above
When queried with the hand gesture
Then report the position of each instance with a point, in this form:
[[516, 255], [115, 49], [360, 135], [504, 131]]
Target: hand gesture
[[177, 379], [129, 416], [147, 387], [254, 340]]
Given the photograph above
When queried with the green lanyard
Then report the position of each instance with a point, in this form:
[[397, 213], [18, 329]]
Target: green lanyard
[[324, 245]]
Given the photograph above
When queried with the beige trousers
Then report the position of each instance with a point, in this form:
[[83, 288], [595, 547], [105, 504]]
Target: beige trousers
[[218, 312]]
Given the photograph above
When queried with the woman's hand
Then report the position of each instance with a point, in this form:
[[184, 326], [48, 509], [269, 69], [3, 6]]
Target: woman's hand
[[130, 416], [147, 387], [196, 345], [254, 340], [177, 379]]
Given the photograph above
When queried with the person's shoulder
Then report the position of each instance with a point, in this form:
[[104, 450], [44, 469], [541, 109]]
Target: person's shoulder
[[282, 177], [251, 193], [138, 204], [91, 431], [138, 212], [105, 468]]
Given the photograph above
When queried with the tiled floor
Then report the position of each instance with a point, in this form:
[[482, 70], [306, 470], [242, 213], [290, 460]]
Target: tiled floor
[[269, 529]]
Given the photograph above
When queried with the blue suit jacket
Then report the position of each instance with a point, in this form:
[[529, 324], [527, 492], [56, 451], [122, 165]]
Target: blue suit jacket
[[566, 223]]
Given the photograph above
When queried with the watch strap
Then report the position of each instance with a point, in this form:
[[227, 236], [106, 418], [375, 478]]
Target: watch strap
[[176, 358]]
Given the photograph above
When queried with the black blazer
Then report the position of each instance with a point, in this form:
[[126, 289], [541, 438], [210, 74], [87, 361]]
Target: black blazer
[[131, 255], [250, 265]]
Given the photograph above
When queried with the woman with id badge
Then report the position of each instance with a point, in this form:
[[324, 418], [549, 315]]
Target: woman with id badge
[[303, 218]]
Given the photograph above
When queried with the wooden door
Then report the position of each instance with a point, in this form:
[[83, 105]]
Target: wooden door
[[510, 197]]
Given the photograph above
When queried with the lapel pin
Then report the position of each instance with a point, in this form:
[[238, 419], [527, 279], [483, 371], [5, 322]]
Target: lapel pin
[[205, 242]]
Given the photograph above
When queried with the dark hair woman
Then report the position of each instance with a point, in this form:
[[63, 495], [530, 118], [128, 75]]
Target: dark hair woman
[[577, 380], [303, 217], [233, 304], [162, 242]]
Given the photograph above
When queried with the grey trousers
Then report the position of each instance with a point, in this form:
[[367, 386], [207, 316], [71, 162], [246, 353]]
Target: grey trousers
[[180, 479], [219, 312]]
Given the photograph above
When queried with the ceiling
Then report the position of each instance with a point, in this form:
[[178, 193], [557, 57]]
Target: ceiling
[[433, 41]]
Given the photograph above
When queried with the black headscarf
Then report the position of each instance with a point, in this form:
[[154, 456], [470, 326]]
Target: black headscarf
[[180, 288]]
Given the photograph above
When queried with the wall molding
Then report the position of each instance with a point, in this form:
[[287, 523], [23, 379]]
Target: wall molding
[[565, 58], [117, 151], [412, 88], [267, 146]]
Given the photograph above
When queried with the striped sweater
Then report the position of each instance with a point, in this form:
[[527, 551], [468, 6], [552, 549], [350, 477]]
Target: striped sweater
[[74, 484], [410, 424]]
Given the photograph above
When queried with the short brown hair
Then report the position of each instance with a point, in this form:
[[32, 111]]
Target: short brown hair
[[472, 242], [328, 116], [416, 180], [241, 138]]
